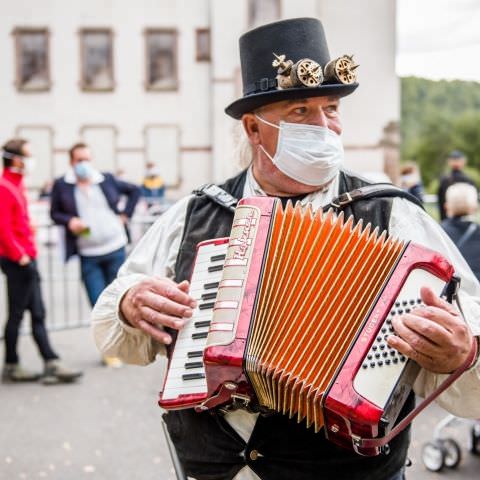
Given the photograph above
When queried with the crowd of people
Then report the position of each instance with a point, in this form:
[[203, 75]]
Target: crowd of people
[[457, 199], [94, 209], [141, 301]]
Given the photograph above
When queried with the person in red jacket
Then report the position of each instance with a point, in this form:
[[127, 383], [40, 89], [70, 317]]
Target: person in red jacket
[[18, 254]]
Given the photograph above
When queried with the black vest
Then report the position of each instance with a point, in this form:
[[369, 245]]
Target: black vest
[[209, 449]]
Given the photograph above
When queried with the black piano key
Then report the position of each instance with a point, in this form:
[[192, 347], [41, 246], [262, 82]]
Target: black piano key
[[209, 296], [202, 324], [195, 354], [217, 258], [215, 268], [206, 306], [196, 336], [189, 365], [211, 285], [193, 376]]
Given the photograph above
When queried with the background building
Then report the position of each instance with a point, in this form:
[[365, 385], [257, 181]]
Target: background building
[[148, 81]]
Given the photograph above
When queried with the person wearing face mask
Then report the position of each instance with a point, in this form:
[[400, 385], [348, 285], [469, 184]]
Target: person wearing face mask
[[85, 202], [410, 180], [290, 114], [153, 186], [18, 253]]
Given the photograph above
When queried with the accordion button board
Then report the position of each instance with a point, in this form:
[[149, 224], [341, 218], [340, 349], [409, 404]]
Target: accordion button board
[[383, 365]]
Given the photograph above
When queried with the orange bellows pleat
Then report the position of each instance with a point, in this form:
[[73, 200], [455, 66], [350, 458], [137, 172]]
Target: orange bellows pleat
[[320, 279]]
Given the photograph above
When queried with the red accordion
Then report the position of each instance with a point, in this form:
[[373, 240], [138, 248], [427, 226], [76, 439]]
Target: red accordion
[[293, 313]]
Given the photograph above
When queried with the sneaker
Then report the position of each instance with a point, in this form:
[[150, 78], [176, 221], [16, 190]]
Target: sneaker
[[56, 372], [112, 362], [14, 372]]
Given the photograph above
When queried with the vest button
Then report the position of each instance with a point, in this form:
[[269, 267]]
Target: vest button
[[253, 454]]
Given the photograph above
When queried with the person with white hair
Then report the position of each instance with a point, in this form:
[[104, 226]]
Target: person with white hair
[[461, 206]]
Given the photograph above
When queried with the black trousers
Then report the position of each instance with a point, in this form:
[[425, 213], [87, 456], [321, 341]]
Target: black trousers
[[24, 293]]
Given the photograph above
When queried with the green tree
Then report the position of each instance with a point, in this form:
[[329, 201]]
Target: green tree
[[437, 117]]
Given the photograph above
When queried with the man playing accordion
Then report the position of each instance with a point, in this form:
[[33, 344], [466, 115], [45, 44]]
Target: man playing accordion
[[290, 114]]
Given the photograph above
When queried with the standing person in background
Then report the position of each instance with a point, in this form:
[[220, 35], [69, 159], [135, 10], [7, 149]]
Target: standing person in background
[[461, 206], [85, 202], [18, 254], [410, 180], [456, 162], [153, 187]]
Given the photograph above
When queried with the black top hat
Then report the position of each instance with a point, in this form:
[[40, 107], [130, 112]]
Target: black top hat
[[286, 60]]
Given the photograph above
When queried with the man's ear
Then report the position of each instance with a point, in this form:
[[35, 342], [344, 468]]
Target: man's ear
[[250, 125]]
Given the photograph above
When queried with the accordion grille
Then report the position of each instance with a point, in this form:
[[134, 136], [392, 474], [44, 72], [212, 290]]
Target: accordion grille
[[321, 277]]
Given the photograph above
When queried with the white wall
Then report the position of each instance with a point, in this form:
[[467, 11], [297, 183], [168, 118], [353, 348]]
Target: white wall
[[367, 30], [127, 111], [130, 124]]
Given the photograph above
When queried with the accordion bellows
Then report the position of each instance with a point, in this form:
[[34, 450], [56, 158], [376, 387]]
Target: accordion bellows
[[311, 305]]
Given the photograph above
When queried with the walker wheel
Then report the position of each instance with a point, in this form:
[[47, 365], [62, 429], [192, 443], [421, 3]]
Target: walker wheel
[[433, 456], [474, 446], [452, 452]]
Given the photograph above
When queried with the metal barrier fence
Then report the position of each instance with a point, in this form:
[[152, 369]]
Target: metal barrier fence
[[65, 298], [63, 292]]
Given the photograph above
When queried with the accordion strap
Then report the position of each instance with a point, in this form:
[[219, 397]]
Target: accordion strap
[[218, 195], [371, 191], [382, 441], [224, 199]]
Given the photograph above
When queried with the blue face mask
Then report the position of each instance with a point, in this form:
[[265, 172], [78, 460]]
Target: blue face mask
[[83, 170]]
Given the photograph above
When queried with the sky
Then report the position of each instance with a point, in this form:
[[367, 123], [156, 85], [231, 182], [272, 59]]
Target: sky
[[438, 39]]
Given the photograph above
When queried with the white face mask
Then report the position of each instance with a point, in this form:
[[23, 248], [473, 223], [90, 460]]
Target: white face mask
[[83, 170], [29, 163], [309, 154]]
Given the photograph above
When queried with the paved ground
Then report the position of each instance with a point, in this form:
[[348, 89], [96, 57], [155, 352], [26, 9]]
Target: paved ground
[[105, 427], [108, 426]]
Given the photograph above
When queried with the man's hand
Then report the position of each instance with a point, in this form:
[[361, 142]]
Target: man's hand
[[24, 260], [435, 336], [156, 303], [123, 218], [76, 225]]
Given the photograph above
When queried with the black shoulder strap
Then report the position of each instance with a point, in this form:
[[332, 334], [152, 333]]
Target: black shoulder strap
[[371, 191], [224, 199], [218, 195]]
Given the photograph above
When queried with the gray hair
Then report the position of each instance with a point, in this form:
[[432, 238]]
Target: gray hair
[[461, 199], [243, 152]]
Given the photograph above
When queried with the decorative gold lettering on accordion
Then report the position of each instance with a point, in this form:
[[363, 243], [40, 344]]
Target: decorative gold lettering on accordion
[[243, 242], [232, 285]]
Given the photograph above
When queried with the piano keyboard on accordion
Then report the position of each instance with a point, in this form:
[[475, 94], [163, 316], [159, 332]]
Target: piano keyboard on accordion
[[293, 313]]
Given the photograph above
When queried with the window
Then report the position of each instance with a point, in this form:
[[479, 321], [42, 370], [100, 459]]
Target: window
[[203, 45], [263, 11], [96, 54], [161, 59], [32, 61]]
